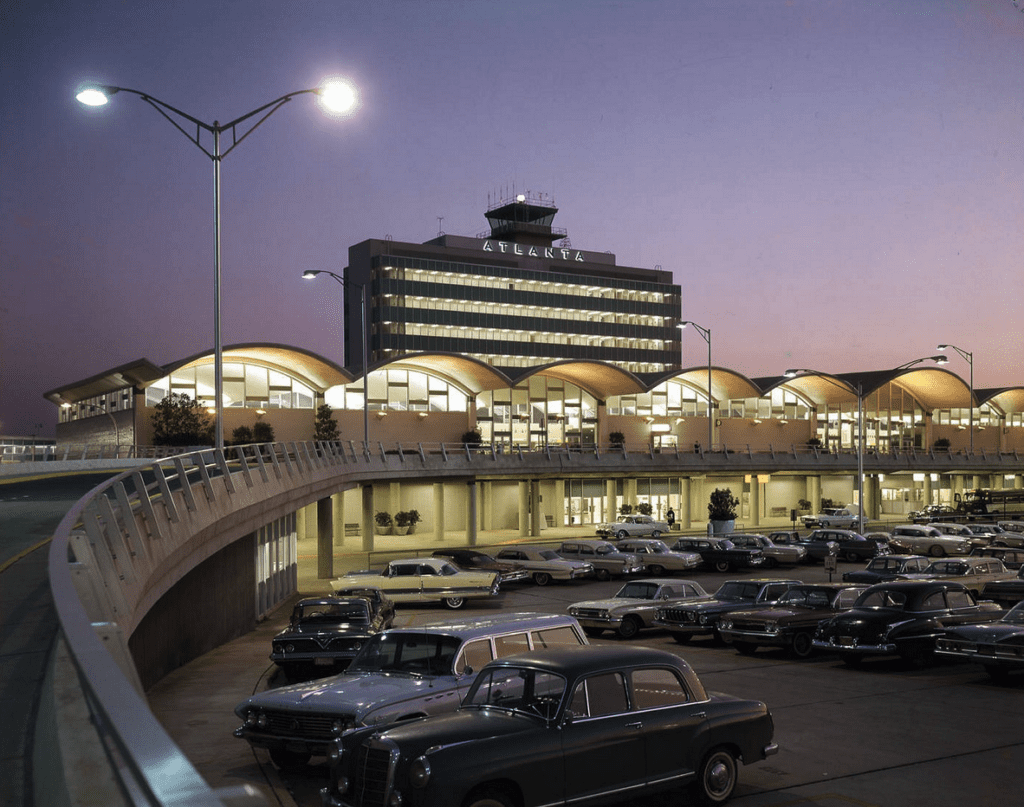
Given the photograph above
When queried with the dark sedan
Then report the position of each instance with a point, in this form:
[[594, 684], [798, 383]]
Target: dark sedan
[[1005, 592], [472, 560], [688, 619], [998, 646], [589, 726], [721, 554], [852, 546], [902, 618], [324, 633]]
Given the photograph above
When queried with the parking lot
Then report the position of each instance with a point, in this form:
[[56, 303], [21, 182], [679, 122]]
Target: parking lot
[[889, 733]]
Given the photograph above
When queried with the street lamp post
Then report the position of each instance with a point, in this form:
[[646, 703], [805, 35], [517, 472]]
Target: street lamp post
[[706, 334], [969, 358], [309, 274], [336, 97]]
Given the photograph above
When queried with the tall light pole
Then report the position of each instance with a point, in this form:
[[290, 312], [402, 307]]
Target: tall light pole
[[969, 358], [706, 334], [336, 97], [309, 274]]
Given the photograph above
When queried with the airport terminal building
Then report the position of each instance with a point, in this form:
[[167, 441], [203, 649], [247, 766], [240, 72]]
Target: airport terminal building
[[538, 345]]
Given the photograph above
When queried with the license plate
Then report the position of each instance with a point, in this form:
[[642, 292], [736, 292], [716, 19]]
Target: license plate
[[323, 662], [847, 641]]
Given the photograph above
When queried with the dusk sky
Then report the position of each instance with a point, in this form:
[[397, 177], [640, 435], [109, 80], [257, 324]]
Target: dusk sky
[[835, 185]]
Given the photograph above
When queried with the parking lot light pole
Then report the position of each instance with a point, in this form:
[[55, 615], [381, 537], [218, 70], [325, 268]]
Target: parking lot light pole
[[309, 274], [969, 358], [706, 334], [336, 97]]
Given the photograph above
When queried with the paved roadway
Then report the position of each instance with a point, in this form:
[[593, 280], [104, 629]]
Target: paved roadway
[[29, 513], [887, 735]]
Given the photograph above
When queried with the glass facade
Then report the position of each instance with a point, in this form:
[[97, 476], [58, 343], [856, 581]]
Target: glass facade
[[539, 412], [246, 385]]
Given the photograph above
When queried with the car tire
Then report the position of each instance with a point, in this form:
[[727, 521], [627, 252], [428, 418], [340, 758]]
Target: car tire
[[682, 638], [602, 574], [802, 645], [622, 534], [722, 565], [629, 627], [770, 563], [716, 778], [489, 797], [541, 578], [656, 534], [656, 570], [288, 760], [853, 660], [454, 603], [937, 551], [593, 633], [852, 556], [746, 648]]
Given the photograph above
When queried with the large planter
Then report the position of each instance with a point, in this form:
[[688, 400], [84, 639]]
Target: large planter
[[723, 527], [402, 530], [383, 530]]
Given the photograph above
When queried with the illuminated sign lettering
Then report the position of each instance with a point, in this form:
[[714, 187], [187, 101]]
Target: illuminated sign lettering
[[508, 248]]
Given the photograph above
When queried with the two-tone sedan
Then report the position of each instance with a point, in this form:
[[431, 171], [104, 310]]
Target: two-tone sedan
[[545, 565], [657, 558], [594, 725], [774, 554], [721, 554], [424, 580], [998, 646], [473, 560], [632, 609], [902, 618], [700, 617], [633, 526], [887, 567]]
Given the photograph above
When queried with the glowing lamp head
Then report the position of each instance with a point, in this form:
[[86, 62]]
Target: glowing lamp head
[[338, 97], [94, 95]]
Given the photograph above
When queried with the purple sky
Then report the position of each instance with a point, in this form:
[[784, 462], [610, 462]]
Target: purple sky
[[836, 185]]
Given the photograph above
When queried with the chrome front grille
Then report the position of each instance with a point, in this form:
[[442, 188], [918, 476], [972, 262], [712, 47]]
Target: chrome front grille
[[373, 774], [680, 616], [307, 726]]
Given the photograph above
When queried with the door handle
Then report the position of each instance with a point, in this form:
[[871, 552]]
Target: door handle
[[638, 724]]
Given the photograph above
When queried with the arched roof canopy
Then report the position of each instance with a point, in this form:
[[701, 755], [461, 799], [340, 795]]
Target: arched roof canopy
[[819, 389], [138, 373], [725, 384], [600, 379], [314, 370], [932, 387], [472, 375], [1008, 400]]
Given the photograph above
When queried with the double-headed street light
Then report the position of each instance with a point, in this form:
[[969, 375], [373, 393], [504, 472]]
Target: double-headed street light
[[969, 358], [706, 334], [309, 274], [336, 97]]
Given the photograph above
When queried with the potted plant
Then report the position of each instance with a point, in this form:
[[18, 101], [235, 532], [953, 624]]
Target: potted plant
[[383, 521], [644, 508], [722, 511], [405, 520], [803, 506], [617, 439], [625, 509], [942, 443]]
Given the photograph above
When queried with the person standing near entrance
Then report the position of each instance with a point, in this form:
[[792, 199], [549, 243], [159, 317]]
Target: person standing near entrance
[[670, 517]]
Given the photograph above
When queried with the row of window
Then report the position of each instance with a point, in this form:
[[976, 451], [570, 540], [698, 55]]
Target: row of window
[[453, 309]]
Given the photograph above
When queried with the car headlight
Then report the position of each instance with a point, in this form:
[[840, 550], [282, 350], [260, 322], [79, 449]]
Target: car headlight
[[705, 618], [250, 717], [725, 624], [289, 648], [334, 752], [419, 772], [574, 611], [771, 627], [261, 720]]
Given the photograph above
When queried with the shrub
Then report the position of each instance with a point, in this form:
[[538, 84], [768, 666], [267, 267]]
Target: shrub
[[326, 427], [644, 508], [616, 438], [472, 438], [382, 519], [407, 518], [722, 506]]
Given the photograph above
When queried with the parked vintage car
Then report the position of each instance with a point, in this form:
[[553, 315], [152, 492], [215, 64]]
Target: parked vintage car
[[1005, 592], [924, 539], [974, 572], [999, 535], [473, 560], [689, 619], [606, 558], [424, 580], [633, 526], [774, 554], [839, 517], [932, 512], [902, 617], [887, 567], [657, 558], [545, 565], [962, 531], [324, 633], [632, 608], [852, 545], [589, 726], [721, 554], [791, 622], [998, 646], [398, 674], [1011, 557]]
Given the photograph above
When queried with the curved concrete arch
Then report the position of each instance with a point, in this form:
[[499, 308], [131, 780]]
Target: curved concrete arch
[[1008, 400], [310, 368], [600, 379], [471, 375], [932, 387]]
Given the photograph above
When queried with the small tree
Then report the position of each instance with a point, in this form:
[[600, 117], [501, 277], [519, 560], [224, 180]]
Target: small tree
[[644, 508], [722, 506], [262, 432], [241, 436], [616, 438], [942, 442], [625, 509], [326, 427], [472, 438], [814, 442], [180, 421], [382, 518]]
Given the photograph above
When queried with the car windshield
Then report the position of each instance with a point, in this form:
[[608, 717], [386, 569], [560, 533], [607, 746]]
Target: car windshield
[[549, 554], [638, 591], [517, 689], [737, 591], [407, 652], [806, 597], [1015, 616], [333, 612], [882, 598]]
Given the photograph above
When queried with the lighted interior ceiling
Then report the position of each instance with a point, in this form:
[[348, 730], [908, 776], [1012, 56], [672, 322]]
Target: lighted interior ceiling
[[725, 384], [313, 370], [1009, 401], [821, 389], [934, 387], [599, 379], [472, 375]]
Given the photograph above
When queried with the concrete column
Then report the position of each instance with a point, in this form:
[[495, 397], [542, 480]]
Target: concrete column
[[755, 501], [610, 509], [486, 505], [394, 497], [300, 524], [814, 493], [1018, 482], [558, 506], [439, 520], [367, 518], [338, 517], [629, 492], [683, 515], [524, 509], [324, 539], [471, 513], [535, 513], [868, 506]]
